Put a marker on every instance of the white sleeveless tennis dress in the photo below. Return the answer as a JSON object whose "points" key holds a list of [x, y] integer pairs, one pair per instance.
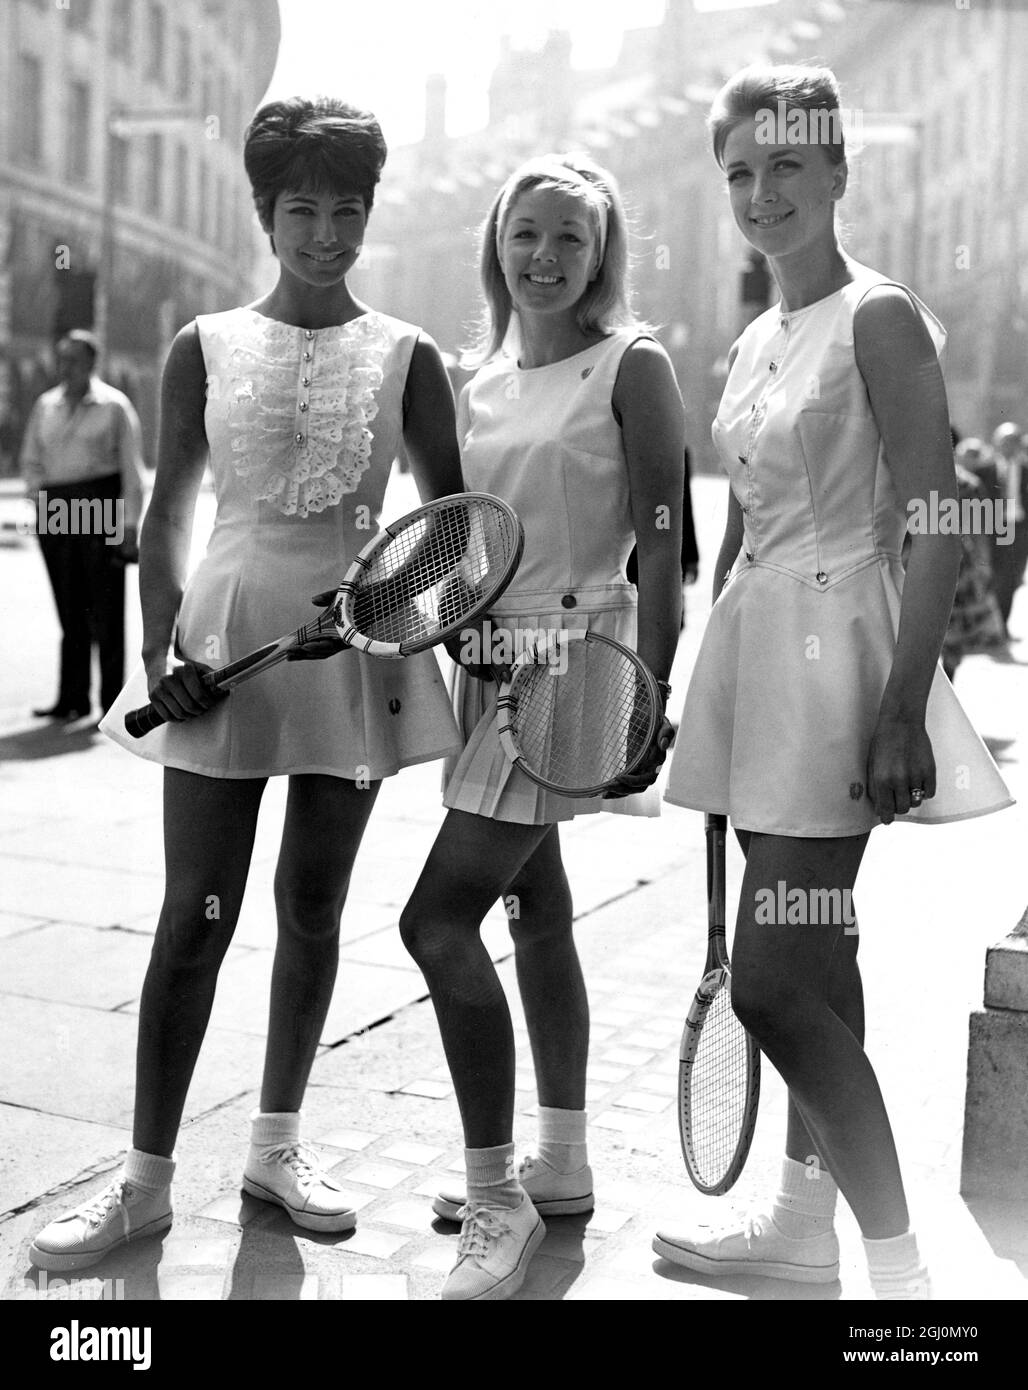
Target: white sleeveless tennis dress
{"points": [[545, 439], [303, 427], [789, 678]]}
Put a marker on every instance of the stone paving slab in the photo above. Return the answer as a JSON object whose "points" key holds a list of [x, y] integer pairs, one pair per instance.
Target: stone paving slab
{"points": [[96, 897], [39, 1151], [96, 967], [78, 1062]]}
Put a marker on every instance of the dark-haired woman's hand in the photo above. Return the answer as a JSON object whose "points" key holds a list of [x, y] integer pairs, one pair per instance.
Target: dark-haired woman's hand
{"points": [[182, 693]]}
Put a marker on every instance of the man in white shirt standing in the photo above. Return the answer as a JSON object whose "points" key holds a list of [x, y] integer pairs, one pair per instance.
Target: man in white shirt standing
{"points": [[82, 460]]}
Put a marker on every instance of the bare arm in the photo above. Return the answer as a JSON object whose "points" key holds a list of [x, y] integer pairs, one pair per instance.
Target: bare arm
{"points": [[167, 530], [647, 403], [130, 465], [648, 406], [429, 431], [897, 360], [31, 463], [731, 544]]}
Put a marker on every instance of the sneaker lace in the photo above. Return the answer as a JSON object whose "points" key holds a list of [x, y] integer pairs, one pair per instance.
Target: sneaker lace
{"points": [[298, 1157], [481, 1225], [95, 1211], [755, 1224]]}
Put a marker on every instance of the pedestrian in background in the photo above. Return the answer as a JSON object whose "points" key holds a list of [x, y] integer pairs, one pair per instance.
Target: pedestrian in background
{"points": [[975, 624], [82, 463], [816, 709], [1009, 559]]}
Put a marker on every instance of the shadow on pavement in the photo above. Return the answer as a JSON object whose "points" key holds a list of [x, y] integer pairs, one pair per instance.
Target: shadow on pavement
{"points": [[52, 740], [127, 1274], [755, 1287], [269, 1265], [1005, 1226]]}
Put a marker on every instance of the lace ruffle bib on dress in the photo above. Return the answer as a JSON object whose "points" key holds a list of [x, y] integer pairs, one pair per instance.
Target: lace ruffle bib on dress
{"points": [[303, 466], [785, 692], [303, 427]]}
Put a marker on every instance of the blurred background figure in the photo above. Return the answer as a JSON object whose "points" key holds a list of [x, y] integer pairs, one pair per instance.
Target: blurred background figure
{"points": [[1008, 560], [975, 623], [81, 460]]}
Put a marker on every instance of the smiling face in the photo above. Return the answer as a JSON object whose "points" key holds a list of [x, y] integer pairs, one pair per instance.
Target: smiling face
{"points": [[783, 196], [548, 250], [318, 235]]}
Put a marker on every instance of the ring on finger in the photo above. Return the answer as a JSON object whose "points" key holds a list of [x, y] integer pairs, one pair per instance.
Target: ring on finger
{"points": [[916, 795]]}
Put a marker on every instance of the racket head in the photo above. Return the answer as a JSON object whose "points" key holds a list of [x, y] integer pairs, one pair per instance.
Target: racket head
{"points": [[718, 1087], [427, 575], [578, 712]]}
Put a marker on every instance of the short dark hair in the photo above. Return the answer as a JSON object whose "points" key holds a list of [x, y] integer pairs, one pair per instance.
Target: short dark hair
{"points": [[760, 87], [83, 338], [322, 144]]}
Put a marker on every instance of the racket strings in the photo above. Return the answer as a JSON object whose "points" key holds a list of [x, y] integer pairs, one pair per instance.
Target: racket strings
{"points": [[429, 576], [718, 1096], [584, 719]]}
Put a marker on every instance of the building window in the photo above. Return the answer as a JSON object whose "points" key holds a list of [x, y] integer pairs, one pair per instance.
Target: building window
{"points": [[181, 186], [152, 187], [118, 154], [121, 29], [155, 65], [80, 13], [29, 138], [202, 211], [76, 144], [182, 66]]}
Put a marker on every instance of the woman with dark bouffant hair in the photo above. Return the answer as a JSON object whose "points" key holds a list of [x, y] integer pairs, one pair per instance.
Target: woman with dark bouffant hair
{"points": [[300, 401], [817, 709]]}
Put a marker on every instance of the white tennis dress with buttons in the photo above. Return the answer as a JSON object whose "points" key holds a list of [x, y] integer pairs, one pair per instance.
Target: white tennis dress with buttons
{"points": [[303, 427], [786, 689], [546, 440]]}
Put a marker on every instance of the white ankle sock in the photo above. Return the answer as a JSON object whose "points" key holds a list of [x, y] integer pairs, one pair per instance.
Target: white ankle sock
{"points": [[491, 1176], [275, 1127], [150, 1172], [805, 1205], [896, 1268], [562, 1139]]}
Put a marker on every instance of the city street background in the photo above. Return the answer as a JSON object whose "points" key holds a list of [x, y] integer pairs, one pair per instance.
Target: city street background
{"points": [[81, 868]]}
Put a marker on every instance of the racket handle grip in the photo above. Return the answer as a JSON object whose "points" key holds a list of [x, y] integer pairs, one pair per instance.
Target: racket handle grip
{"points": [[147, 718], [141, 721]]}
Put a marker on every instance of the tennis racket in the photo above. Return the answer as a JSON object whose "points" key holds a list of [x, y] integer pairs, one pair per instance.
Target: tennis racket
{"points": [[578, 713], [719, 1068], [413, 586]]}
